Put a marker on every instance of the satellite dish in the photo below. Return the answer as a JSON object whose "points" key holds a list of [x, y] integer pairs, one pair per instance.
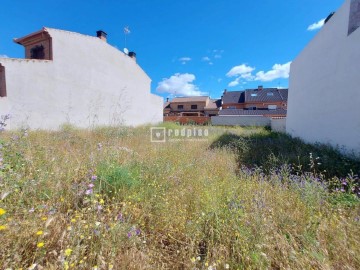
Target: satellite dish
{"points": [[126, 51]]}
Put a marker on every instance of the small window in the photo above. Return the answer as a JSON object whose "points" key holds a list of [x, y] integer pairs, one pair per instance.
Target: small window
{"points": [[37, 52], [232, 107], [180, 107], [2, 81], [194, 107], [252, 108], [269, 94], [254, 95]]}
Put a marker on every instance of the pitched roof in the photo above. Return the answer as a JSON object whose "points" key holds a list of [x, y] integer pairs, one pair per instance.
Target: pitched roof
{"points": [[277, 112], [266, 95], [233, 97], [166, 105], [213, 104], [190, 99]]}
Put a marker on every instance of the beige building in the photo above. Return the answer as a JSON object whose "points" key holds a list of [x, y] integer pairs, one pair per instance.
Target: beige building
{"points": [[68, 77]]}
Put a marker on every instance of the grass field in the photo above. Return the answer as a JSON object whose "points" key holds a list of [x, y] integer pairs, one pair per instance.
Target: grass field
{"points": [[245, 198]]}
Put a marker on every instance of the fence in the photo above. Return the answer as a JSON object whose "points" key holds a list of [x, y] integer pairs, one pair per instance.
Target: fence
{"points": [[277, 124], [200, 120]]}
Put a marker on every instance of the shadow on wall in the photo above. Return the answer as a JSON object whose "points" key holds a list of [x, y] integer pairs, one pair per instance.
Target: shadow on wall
{"points": [[272, 150]]}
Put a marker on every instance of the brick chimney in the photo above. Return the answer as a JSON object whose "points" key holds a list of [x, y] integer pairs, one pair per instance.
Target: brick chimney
{"points": [[167, 99], [101, 34], [132, 55], [260, 87]]}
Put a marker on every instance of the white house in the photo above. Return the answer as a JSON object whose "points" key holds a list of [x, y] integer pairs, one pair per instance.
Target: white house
{"points": [[324, 101], [73, 78]]}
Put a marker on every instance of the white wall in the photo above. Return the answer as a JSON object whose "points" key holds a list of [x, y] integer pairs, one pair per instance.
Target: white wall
{"points": [[236, 120], [324, 85], [88, 83]]}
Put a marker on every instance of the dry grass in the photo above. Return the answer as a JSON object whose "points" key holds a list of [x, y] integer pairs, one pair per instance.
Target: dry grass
{"points": [[111, 199]]}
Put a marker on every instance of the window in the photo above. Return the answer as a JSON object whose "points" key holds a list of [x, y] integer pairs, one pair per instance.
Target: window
{"points": [[272, 107], [232, 107], [180, 107], [194, 107], [37, 52], [2, 82], [254, 95], [252, 108], [269, 94]]}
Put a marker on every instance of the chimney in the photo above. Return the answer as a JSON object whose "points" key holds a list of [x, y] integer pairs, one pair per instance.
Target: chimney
{"points": [[260, 87], [132, 55], [101, 34], [167, 99]]}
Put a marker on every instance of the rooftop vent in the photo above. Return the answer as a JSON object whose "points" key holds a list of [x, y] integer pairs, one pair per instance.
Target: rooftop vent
{"points": [[329, 17], [102, 35]]}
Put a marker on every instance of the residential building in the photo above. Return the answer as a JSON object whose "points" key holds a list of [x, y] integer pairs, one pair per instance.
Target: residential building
{"points": [[269, 102], [198, 109], [324, 82], [68, 77]]}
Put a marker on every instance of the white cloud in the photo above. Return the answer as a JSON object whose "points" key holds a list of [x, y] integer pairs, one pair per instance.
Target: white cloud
{"points": [[240, 70], [184, 60], [205, 59], [179, 85], [243, 73], [234, 82], [316, 25], [3, 56], [218, 56], [278, 71]]}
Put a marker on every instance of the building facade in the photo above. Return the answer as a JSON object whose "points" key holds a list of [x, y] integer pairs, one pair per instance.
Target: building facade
{"points": [[325, 83], [268, 102], [72, 78]]}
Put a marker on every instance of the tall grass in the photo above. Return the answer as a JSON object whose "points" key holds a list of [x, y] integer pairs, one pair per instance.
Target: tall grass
{"points": [[111, 199]]}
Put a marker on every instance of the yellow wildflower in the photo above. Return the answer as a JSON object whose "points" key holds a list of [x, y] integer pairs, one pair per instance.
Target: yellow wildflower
{"points": [[40, 244], [39, 232], [2, 211], [2, 227], [68, 252]]}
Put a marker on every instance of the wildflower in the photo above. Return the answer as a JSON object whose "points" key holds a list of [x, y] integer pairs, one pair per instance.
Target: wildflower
{"points": [[2, 211], [99, 146], [40, 244], [73, 220], [32, 267], [93, 178], [193, 259], [97, 223], [129, 234], [111, 266], [39, 232], [68, 252], [198, 258], [32, 210], [91, 185], [2, 227], [95, 268], [88, 191], [227, 266]]}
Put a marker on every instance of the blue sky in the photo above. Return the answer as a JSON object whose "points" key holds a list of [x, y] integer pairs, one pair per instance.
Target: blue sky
{"points": [[198, 47]]}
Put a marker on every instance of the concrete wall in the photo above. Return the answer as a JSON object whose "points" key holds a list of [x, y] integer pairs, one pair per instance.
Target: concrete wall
{"points": [[278, 125], [88, 83], [240, 121], [324, 100]]}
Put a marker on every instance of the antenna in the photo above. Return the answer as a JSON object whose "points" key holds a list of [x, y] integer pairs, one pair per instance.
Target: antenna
{"points": [[126, 51], [126, 32]]}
